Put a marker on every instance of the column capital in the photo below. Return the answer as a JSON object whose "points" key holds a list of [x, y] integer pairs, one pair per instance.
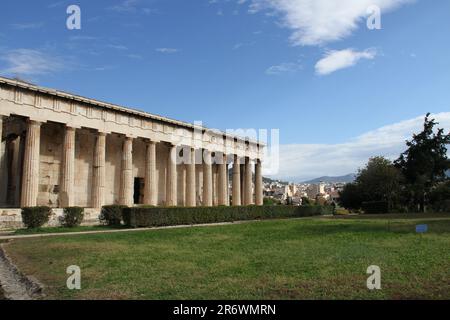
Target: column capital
{"points": [[34, 122], [150, 142], [71, 128]]}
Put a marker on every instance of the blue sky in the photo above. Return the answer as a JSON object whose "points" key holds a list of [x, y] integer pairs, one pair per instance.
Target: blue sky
{"points": [[309, 68]]}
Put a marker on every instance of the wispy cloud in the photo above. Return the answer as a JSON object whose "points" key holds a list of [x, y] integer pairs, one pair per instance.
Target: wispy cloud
{"points": [[243, 44], [117, 46], [134, 56], [27, 26], [336, 60], [82, 38], [283, 68], [316, 22], [132, 6], [29, 62], [167, 50], [56, 4], [299, 162]]}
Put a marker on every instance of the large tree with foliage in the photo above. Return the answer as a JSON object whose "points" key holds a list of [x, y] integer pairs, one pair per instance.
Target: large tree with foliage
{"points": [[425, 162], [379, 180], [351, 197]]}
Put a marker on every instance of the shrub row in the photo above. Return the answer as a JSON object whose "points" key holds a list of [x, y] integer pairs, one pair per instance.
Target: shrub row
{"points": [[72, 217], [36, 217], [170, 216], [112, 215]]}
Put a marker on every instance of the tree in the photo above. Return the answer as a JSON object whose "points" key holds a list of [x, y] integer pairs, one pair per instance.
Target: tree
{"points": [[350, 197], [380, 180], [425, 162], [306, 201]]}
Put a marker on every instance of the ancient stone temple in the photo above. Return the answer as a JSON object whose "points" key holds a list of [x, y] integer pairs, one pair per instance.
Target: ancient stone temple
{"points": [[60, 150]]}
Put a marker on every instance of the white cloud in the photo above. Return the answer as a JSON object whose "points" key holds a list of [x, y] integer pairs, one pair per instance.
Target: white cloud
{"points": [[300, 162], [286, 67], [28, 62], [336, 60], [316, 22], [167, 50]]}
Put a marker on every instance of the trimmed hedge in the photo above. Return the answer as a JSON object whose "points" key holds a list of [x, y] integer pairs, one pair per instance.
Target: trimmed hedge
{"points": [[112, 215], [375, 207], [171, 216], [441, 206], [73, 216], [35, 217]]}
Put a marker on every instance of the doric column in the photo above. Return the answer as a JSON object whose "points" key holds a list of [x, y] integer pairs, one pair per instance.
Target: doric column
{"points": [[171, 194], [223, 194], [150, 188], [248, 182], [190, 181], [214, 184], [3, 173], [207, 179], [243, 183], [236, 192], [68, 168], [99, 174], [126, 182], [258, 183], [30, 175]]}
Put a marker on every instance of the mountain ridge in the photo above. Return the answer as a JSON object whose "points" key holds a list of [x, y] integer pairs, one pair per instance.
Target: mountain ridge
{"points": [[330, 179]]}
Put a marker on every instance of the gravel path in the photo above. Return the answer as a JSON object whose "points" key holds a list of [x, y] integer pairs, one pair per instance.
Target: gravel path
{"points": [[14, 285]]}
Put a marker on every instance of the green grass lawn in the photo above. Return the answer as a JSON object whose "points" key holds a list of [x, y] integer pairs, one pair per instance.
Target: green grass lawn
{"points": [[312, 258]]}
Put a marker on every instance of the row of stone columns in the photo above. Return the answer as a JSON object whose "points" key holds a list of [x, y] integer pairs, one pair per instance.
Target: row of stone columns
{"points": [[242, 193]]}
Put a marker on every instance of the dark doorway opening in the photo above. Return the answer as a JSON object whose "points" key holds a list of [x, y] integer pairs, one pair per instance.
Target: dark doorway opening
{"points": [[138, 190]]}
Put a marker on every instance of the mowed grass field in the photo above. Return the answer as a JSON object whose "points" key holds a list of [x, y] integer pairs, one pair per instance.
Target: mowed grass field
{"points": [[312, 258]]}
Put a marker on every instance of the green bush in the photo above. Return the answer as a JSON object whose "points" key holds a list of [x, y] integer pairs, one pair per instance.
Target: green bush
{"points": [[375, 207], [112, 215], [164, 216], [73, 216], [35, 217]]}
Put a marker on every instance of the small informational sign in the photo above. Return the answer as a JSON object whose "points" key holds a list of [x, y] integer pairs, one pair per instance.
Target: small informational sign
{"points": [[421, 228]]}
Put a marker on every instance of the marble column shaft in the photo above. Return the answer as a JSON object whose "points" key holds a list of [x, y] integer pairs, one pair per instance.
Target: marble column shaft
{"points": [[126, 182], [190, 181], [150, 189], [68, 168], [171, 196], [207, 179], [248, 183], [223, 194], [99, 174], [236, 192], [30, 180], [258, 184]]}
